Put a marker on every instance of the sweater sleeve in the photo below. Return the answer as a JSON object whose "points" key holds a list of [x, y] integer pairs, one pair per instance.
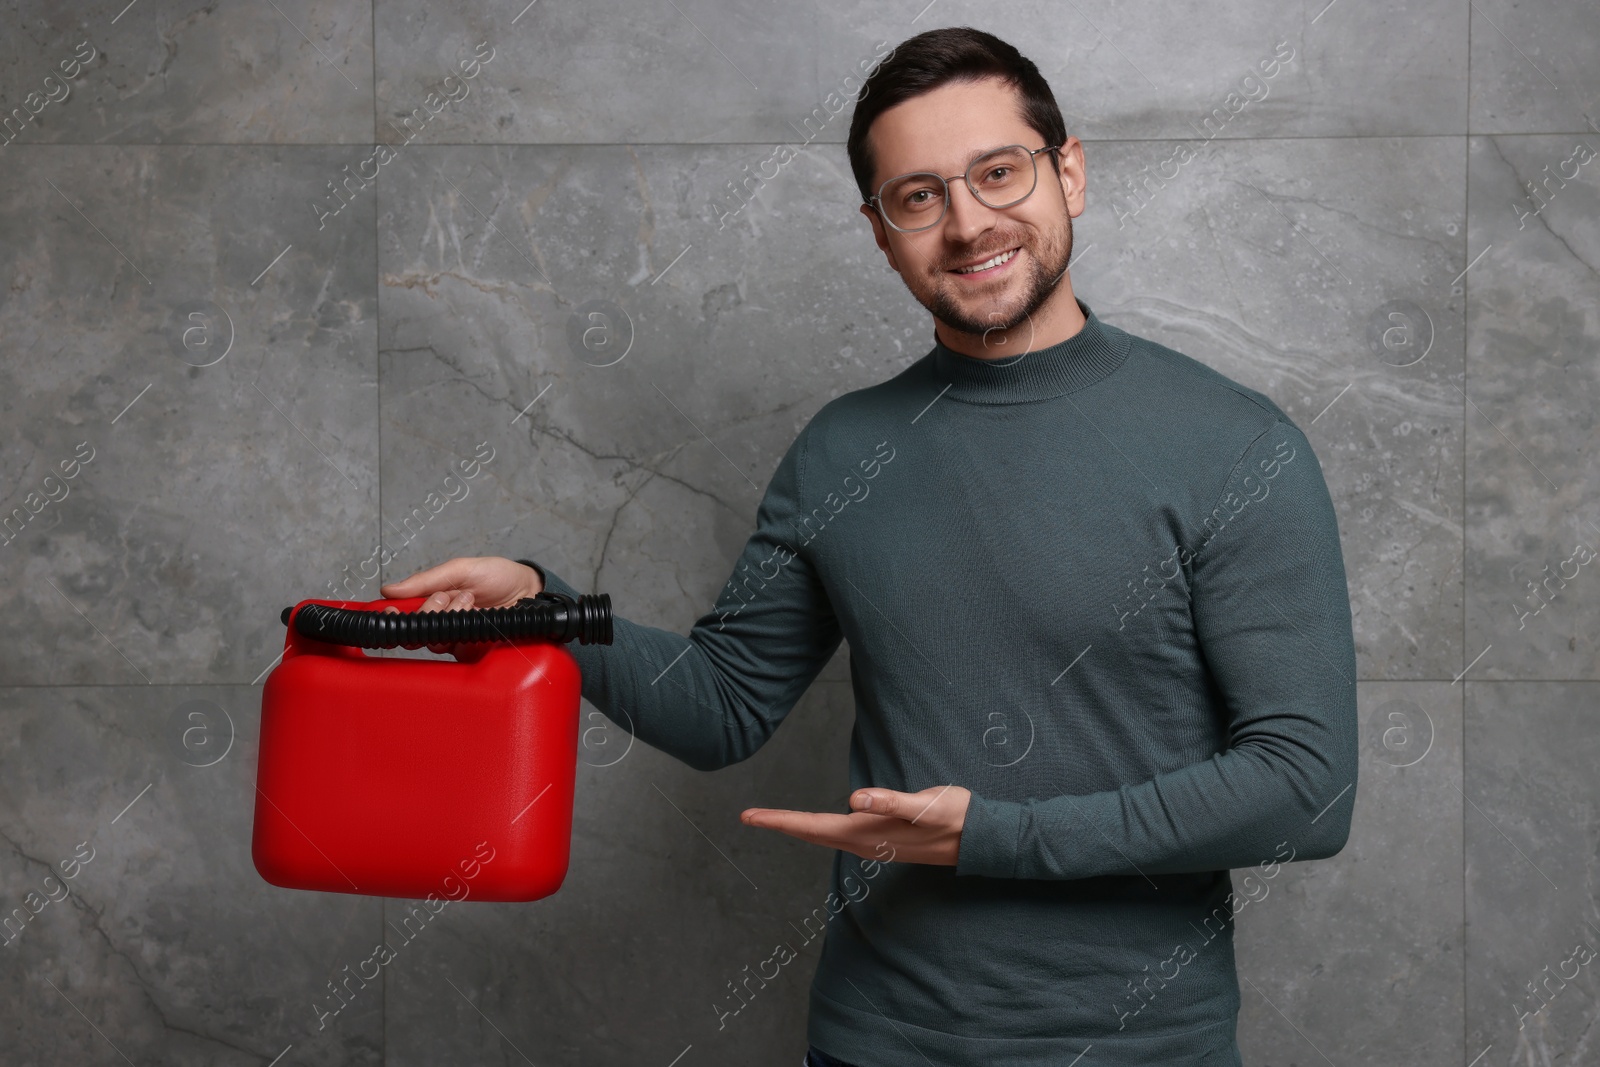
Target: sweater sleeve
{"points": [[1272, 613], [712, 698]]}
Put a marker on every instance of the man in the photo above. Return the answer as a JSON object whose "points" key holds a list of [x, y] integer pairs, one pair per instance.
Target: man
{"points": [[1099, 631]]}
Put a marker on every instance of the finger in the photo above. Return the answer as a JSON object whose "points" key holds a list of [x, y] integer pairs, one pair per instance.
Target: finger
{"points": [[860, 834], [817, 827], [451, 574], [801, 835], [439, 600], [447, 600], [771, 816], [460, 600]]}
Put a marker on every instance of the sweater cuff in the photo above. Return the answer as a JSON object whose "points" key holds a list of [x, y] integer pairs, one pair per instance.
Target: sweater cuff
{"points": [[989, 838], [550, 580]]}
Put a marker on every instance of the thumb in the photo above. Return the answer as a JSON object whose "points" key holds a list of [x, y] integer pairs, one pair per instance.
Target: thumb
{"points": [[878, 801], [452, 574]]}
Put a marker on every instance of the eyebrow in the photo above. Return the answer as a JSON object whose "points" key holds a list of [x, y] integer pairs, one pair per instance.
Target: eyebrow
{"points": [[985, 151], [972, 157]]}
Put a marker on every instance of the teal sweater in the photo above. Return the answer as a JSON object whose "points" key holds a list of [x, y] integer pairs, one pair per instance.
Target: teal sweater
{"points": [[1100, 586]]}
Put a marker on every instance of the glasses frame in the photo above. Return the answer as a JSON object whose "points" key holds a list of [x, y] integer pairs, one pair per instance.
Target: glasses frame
{"points": [[876, 200]]}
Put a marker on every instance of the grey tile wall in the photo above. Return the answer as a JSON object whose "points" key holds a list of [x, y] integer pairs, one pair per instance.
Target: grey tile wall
{"points": [[1531, 848], [259, 363], [1359, 958]]}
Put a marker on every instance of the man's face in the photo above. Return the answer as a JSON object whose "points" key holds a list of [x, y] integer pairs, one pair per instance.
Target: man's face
{"points": [[942, 131]]}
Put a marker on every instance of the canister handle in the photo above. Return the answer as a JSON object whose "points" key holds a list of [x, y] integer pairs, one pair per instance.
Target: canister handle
{"points": [[547, 616]]}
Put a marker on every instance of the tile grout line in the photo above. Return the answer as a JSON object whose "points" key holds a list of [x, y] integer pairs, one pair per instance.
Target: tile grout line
{"points": [[768, 143], [377, 466], [1466, 352]]}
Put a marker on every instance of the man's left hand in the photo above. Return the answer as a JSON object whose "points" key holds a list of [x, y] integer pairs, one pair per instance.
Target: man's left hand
{"points": [[922, 827]]}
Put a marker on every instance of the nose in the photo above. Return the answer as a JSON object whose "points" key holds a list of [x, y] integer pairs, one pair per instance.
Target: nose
{"points": [[965, 216]]}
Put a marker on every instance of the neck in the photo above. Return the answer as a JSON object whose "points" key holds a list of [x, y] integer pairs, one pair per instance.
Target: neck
{"points": [[1040, 373], [1058, 319]]}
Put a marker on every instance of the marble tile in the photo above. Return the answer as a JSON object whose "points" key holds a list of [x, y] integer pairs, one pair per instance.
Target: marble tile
{"points": [[1533, 524], [187, 72], [1319, 273], [615, 72], [1375, 933], [636, 463], [1533, 855], [696, 72], [1149, 70], [668, 898], [189, 436], [165, 939], [1532, 67]]}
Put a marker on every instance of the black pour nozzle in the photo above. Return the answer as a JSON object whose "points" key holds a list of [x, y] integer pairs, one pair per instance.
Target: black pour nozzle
{"points": [[546, 615]]}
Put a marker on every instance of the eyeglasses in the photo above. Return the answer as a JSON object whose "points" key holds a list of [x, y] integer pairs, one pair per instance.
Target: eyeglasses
{"points": [[1002, 178]]}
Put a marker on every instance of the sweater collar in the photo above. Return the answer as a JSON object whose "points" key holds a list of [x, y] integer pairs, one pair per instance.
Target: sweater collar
{"points": [[1065, 367]]}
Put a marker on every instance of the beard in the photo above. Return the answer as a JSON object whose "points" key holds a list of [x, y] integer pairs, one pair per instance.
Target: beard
{"points": [[1046, 266]]}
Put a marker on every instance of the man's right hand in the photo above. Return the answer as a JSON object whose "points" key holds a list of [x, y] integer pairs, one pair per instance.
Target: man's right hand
{"points": [[467, 582]]}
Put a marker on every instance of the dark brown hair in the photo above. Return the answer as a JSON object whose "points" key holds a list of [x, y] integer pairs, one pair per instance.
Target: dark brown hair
{"points": [[940, 57]]}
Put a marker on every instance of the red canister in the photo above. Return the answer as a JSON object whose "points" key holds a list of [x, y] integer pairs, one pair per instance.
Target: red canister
{"points": [[397, 777]]}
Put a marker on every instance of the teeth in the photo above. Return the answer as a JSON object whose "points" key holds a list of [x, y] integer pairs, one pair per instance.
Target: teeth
{"points": [[996, 261]]}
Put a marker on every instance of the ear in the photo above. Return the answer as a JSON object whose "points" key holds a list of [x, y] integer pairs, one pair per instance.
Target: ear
{"points": [[880, 233], [1070, 170]]}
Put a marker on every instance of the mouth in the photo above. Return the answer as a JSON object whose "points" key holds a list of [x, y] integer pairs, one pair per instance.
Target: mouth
{"points": [[987, 268]]}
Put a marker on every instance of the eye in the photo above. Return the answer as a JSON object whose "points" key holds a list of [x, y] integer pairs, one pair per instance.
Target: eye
{"points": [[998, 174]]}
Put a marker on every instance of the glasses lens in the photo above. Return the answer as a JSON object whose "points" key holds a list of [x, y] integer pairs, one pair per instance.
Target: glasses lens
{"points": [[1004, 177], [1000, 179], [914, 201]]}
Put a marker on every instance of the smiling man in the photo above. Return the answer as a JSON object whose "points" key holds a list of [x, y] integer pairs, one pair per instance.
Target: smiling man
{"points": [[1099, 631]]}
